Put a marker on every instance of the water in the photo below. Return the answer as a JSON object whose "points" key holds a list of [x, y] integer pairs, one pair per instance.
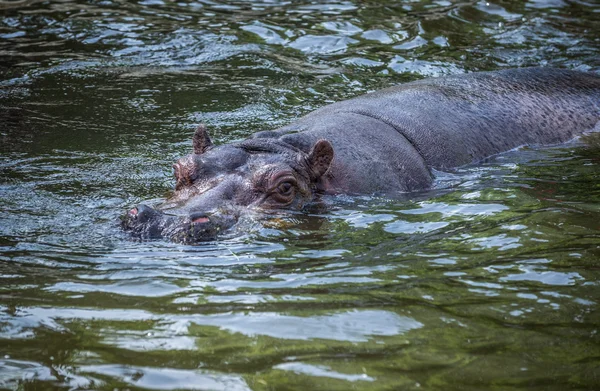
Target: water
{"points": [[489, 281]]}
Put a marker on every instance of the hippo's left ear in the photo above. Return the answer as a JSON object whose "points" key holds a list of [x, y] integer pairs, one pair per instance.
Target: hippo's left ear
{"points": [[201, 141], [320, 157]]}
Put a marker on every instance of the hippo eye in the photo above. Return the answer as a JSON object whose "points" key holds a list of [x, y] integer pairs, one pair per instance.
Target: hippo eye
{"points": [[284, 192], [285, 188], [280, 189]]}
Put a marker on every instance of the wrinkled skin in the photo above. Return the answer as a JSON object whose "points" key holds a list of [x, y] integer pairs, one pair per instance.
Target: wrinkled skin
{"points": [[383, 142], [216, 185]]}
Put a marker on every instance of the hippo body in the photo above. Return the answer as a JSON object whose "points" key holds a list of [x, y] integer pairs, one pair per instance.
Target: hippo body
{"points": [[383, 142], [445, 122]]}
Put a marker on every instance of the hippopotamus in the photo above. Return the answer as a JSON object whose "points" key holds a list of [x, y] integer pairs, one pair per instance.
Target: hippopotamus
{"points": [[384, 142]]}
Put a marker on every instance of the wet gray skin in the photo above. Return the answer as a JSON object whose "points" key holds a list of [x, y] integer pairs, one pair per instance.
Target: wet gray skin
{"points": [[383, 142], [217, 185]]}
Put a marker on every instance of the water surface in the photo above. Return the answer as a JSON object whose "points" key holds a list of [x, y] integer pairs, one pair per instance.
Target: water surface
{"points": [[489, 281]]}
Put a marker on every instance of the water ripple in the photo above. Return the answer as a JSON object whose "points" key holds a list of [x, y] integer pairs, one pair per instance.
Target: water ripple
{"points": [[493, 272]]}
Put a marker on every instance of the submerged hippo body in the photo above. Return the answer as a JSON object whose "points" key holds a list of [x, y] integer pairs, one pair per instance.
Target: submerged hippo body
{"points": [[383, 142]]}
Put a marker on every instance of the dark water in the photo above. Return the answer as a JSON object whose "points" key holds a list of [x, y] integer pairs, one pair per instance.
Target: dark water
{"points": [[490, 281]]}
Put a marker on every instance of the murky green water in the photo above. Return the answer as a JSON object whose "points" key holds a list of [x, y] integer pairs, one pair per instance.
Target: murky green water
{"points": [[490, 281]]}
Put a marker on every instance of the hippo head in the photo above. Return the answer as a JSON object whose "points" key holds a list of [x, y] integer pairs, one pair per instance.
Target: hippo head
{"points": [[215, 186]]}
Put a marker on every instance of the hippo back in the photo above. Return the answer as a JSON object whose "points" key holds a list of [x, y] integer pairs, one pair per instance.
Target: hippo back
{"points": [[460, 119]]}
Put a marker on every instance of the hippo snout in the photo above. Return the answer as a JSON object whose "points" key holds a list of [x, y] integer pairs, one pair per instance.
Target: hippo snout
{"points": [[142, 214], [145, 222]]}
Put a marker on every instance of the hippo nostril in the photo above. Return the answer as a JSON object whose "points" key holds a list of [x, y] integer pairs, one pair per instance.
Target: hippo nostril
{"points": [[145, 222], [142, 213], [199, 218]]}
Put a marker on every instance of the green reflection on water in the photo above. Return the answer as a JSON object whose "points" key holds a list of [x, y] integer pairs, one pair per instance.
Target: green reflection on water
{"points": [[489, 281]]}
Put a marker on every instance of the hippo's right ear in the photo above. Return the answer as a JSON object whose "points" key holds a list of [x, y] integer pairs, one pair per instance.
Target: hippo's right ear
{"points": [[201, 141], [320, 157]]}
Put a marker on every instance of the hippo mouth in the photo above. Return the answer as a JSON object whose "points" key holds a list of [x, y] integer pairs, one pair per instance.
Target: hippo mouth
{"points": [[146, 223]]}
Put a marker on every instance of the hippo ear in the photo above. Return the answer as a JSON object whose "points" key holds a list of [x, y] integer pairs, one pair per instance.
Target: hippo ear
{"points": [[320, 157], [201, 141]]}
